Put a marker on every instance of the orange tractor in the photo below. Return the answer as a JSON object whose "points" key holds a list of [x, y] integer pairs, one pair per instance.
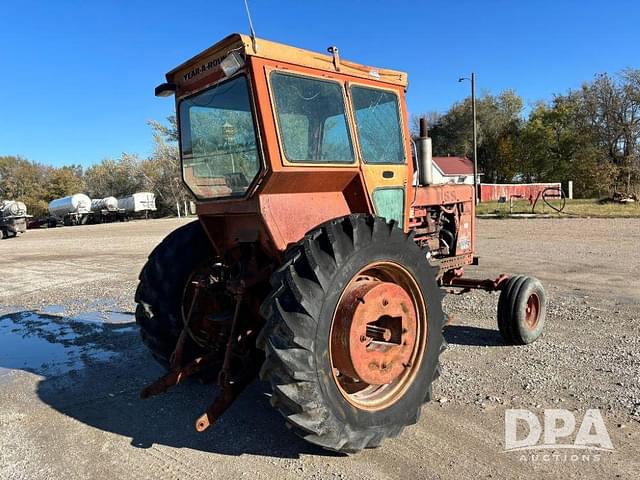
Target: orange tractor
{"points": [[322, 250]]}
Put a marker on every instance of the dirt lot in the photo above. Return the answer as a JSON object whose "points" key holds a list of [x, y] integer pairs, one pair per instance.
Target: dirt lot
{"points": [[71, 367]]}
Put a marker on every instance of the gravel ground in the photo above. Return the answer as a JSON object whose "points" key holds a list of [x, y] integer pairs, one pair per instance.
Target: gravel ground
{"points": [[71, 367]]}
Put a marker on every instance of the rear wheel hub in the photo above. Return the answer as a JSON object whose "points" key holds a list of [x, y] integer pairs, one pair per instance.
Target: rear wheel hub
{"points": [[375, 332], [378, 336]]}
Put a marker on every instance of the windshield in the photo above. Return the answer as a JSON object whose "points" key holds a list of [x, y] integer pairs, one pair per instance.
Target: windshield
{"points": [[218, 140]]}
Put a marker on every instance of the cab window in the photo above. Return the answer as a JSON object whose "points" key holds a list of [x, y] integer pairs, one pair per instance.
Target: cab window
{"points": [[218, 140], [311, 119], [378, 125]]}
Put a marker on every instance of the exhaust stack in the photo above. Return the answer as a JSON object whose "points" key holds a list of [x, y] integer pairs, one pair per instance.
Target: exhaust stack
{"points": [[425, 154]]}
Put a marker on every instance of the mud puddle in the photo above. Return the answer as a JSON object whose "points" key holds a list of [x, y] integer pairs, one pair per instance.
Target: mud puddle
{"points": [[49, 344]]}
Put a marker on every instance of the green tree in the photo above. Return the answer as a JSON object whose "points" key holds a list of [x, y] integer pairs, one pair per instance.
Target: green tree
{"points": [[612, 107], [25, 181], [498, 120], [117, 178], [161, 171], [64, 181], [557, 144]]}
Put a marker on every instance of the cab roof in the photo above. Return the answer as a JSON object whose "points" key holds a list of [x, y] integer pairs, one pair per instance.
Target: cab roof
{"points": [[284, 53]]}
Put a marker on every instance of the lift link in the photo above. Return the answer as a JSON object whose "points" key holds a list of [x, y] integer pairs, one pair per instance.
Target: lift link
{"points": [[176, 356], [229, 390], [176, 376], [178, 371]]}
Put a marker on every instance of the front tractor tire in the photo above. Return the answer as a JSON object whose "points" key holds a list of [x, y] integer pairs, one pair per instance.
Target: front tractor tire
{"points": [[353, 333], [161, 290], [522, 308]]}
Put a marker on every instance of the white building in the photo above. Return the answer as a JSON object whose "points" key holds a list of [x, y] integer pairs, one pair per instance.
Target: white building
{"points": [[452, 170]]}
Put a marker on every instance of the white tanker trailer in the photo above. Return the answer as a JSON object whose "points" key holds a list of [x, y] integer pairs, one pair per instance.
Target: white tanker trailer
{"points": [[13, 218], [109, 204], [71, 210], [141, 202], [106, 210]]}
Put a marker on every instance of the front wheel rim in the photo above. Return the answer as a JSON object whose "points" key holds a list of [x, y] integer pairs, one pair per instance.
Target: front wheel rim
{"points": [[532, 311]]}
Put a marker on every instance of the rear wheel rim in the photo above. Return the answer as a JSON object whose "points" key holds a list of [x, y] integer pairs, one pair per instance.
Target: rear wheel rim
{"points": [[532, 310], [378, 336]]}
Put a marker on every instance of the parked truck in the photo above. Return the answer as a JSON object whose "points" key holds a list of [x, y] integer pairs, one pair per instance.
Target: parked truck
{"points": [[13, 218], [70, 210]]}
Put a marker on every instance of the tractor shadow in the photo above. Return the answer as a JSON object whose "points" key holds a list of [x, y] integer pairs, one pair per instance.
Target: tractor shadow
{"points": [[473, 336], [93, 372]]}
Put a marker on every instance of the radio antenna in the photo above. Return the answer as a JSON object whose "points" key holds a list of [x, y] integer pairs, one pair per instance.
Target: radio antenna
{"points": [[253, 32]]}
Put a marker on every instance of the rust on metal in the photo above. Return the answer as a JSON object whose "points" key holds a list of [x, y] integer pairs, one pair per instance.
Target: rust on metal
{"points": [[378, 336], [454, 279], [532, 311], [442, 218], [176, 376], [176, 356], [225, 371], [228, 338], [335, 53], [375, 329], [224, 400]]}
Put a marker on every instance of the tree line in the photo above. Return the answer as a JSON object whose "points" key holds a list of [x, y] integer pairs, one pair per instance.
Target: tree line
{"points": [[37, 184], [590, 135]]}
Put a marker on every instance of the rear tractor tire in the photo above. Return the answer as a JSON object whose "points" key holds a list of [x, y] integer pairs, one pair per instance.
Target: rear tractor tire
{"points": [[353, 333], [522, 309], [161, 290]]}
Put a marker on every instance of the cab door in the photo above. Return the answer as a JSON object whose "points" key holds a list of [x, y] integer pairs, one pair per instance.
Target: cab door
{"points": [[380, 138]]}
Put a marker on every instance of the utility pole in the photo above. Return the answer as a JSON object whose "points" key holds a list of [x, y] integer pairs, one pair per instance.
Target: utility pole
{"points": [[476, 180]]}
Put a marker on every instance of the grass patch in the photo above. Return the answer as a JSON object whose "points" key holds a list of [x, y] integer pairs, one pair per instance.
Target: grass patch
{"points": [[580, 208]]}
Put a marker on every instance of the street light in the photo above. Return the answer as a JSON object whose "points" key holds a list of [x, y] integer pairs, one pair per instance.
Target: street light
{"points": [[476, 183]]}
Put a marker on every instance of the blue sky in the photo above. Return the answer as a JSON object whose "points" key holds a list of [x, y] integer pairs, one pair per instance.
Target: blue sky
{"points": [[78, 76]]}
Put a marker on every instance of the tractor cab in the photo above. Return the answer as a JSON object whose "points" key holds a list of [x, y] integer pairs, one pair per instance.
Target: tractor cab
{"points": [[263, 125]]}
